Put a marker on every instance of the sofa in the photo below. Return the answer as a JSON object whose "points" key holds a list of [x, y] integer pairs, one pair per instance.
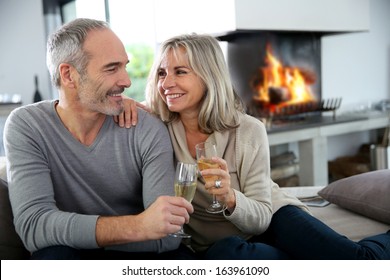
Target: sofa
{"points": [[11, 247], [359, 207]]}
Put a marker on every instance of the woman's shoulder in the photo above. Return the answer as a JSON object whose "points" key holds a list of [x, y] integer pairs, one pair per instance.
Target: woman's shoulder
{"points": [[251, 131], [249, 122]]}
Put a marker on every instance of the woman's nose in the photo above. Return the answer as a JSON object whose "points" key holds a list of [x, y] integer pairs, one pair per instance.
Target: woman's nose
{"points": [[169, 81]]}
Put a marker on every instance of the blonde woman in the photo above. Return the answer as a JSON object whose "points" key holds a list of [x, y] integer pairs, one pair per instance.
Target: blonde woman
{"points": [[189, 88]]}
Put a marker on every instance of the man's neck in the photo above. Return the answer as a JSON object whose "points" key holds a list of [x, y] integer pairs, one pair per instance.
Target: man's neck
{"points": [[83, 125]]}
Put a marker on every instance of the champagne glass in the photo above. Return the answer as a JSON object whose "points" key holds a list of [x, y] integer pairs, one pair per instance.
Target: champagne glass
{"points": [[185, 186], [204, 152]]}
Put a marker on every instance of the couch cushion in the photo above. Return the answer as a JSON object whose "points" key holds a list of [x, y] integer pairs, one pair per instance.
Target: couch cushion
{"points": [[11, 247], [367, 194], [348, 223]]}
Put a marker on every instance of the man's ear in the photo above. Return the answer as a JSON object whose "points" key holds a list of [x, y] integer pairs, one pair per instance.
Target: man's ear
{"points": [[68, 75]]}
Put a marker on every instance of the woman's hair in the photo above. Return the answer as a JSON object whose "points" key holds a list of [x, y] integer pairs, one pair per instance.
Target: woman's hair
{"points": [[221, 105], [66, 46]]}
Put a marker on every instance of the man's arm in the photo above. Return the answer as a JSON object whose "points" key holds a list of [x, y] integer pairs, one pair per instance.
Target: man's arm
{"points": [[38, 219], [166, 215], [158, 171]]}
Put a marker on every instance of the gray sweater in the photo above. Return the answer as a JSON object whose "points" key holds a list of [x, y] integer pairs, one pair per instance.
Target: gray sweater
{"points": [[58, 187]]}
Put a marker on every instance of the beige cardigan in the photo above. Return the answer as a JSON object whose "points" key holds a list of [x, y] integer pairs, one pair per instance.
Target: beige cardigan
{"points": [[246, 151]]}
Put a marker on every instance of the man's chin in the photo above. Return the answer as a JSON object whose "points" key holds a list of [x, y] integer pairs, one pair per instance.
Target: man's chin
{"points": [[115, 110]]}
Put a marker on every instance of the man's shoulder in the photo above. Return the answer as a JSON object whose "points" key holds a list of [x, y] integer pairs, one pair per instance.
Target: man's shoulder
{"points": [[34, 107], [144, 116], [31, 111], [27, 120]]}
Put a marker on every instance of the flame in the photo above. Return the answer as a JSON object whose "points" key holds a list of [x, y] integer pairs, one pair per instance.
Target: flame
{"points": [[290, 82]]}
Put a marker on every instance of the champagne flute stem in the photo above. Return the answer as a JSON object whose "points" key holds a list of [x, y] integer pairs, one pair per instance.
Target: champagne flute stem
{"points": [[215, 201]]}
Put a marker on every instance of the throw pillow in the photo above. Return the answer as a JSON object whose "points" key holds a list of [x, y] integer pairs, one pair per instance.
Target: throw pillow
{"points": [[367, 194], [11, 247]]}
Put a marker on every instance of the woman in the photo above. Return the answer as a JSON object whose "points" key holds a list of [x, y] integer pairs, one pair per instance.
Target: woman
{"points": [[189, 88]]}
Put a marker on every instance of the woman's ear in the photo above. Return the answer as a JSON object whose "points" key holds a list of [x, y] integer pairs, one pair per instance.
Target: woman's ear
{"points": [[67, 74]]}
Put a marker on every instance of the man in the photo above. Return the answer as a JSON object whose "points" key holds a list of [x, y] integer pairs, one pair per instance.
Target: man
{"points": [[80, 186]]}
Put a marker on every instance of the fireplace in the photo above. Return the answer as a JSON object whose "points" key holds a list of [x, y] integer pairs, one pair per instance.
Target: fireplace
{"points": [[278, 74]]}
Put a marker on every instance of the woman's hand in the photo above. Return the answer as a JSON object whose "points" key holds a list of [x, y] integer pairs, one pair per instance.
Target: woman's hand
{"points": [[129, 116], [224, 193]]}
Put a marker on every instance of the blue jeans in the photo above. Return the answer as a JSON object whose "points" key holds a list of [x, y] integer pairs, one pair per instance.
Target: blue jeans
{"points": [[303, 236], [295, 234], [69, 253], [236, 248]]}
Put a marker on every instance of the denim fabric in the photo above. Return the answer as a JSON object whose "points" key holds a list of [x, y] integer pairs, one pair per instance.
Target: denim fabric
{"points": [[68, 253], [295, 234], [302, 236], [236, 248]]}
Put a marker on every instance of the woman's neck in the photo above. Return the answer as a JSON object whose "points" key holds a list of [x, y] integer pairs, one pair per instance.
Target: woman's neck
{"points": [[193, 134]]}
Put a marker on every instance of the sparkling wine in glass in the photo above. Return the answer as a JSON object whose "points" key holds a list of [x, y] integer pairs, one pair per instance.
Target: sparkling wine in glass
{"points": [[185, 186], [204, 152]]}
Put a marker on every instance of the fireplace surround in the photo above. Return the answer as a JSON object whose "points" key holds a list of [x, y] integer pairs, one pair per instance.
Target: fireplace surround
{"points": [[247, 53], [278, 73]]}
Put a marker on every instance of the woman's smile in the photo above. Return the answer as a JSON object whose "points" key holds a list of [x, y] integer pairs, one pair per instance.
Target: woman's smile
{"points": [[174, 96]]}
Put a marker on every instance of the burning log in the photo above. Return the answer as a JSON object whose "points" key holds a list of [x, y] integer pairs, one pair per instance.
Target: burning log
{"points": [[278, 95], [278, 86]]}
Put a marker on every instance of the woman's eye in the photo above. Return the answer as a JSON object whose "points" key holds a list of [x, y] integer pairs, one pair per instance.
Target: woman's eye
{"points": [[161, 74], [181, 72]]}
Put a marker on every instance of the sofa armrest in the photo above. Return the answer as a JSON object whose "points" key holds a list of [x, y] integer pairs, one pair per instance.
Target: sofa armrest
{"points": [[11, 246]]}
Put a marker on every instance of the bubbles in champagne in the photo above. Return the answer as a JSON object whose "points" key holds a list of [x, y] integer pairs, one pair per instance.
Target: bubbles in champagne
{"points": [[185, 189]]}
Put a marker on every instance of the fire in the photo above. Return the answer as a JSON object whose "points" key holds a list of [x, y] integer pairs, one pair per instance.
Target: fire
{"points": [[281, 86]]}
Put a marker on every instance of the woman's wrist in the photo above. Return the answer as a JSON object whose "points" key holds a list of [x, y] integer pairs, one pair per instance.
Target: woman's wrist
{"points": [[231, 201]]}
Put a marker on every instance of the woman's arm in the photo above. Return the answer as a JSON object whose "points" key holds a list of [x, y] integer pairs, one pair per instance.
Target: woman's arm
{"points": [[253, 211]]}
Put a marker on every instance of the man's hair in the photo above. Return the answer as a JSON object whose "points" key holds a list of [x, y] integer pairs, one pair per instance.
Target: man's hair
{"points": [[221, 105], [66, 46]]}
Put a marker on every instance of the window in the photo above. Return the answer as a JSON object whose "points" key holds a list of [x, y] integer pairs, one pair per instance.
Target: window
{"points": [[141, 24], [133, 22]]}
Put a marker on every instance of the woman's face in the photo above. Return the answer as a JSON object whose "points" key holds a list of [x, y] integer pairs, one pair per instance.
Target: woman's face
{"points": [[180, 88]]}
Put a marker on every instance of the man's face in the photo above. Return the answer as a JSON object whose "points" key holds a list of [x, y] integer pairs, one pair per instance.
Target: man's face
{"points": [[106, 76]]}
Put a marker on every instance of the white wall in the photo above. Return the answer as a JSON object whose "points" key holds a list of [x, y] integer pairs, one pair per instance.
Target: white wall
{"points": [[356, 67], [22, 48], [302, 15]]}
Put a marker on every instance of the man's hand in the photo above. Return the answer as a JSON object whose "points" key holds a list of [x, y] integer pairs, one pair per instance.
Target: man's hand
{"points": [[166, 215], [129, 117]]}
